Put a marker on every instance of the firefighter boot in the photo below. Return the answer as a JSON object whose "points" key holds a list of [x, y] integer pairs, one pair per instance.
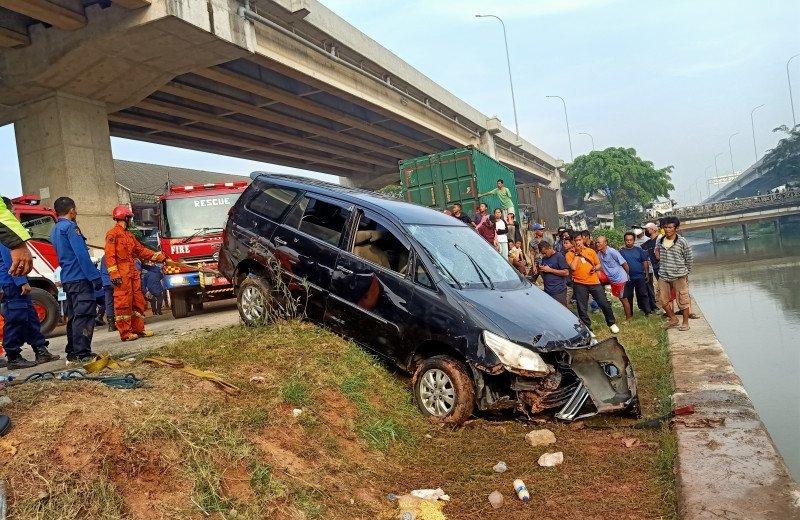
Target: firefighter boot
{"points": [[130, 337], [44, 356], [146, 333], [19, 362]]}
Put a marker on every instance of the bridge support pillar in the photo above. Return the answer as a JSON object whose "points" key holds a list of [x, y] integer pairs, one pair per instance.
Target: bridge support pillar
{"points": [[744, 232], [713, 236], [64, 149]]}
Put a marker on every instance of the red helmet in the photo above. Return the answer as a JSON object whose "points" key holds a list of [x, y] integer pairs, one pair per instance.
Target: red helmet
{"points": [[121, 212]]}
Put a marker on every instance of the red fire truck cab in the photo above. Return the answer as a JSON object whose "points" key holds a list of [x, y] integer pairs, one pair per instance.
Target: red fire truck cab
{"points": [[190, 228], [39, 221]]}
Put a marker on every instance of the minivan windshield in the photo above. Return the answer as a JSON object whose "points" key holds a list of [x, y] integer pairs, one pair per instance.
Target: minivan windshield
{"points": [[464, 259]]}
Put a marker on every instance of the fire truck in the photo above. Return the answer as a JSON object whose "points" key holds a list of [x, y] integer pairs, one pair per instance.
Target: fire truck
{"points": [[191, 221], [39, 221]]}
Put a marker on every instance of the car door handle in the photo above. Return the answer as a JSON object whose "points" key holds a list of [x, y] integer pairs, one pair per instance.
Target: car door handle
{"points": [[280, 242], [344, 270]]}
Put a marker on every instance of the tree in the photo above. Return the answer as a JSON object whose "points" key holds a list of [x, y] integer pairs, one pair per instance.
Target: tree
{"points": [[784, 159], [622, 176]]}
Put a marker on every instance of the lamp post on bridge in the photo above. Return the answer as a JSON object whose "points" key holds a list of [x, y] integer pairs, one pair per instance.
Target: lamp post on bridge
{"points": [[708, 181], [508, 62], [730, 150], [789, 80], [569, 137], [753, 128], [590, 137]]}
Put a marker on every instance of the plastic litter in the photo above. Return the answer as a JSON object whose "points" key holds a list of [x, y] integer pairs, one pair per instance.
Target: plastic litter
{"points": [[540, 437], [391, 497], [500, 467], [415, 508], [5, 400], [551, 459], [431, 494], [258, 380], [496, 499], [521, 490], [630, 442], [297, 412]]}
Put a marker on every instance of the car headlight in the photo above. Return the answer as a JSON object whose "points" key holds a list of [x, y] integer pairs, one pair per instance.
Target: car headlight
{"points": [[515, 357]]}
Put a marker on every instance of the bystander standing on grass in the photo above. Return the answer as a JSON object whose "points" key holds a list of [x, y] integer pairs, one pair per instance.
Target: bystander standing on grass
{"points": [[616, 269], [675, 264]]}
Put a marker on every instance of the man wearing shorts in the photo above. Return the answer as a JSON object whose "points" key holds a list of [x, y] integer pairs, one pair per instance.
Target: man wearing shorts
{"points": [[675, 261], [616, 269]]}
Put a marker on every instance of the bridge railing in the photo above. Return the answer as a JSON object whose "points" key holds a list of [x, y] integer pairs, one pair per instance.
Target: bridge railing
{"points": [[714, 209]]}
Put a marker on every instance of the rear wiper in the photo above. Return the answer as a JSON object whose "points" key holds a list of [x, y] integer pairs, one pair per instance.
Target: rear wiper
{"points": [[198, 231], [481, 273]]}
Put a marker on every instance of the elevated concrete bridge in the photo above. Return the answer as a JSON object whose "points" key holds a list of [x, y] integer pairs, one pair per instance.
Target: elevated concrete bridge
{"points": [[739, 212], [280, 81]]}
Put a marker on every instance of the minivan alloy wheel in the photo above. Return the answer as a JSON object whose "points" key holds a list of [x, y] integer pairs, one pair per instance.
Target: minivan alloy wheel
{"points": [[253, 304], [436, 392]]}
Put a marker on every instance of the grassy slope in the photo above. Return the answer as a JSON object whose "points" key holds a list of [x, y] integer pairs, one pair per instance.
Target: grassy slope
{"points": [[183, 449]]}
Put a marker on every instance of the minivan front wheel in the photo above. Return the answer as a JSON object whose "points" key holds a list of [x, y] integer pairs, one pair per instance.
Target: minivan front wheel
{"points": [[253, 300], [443, 390]]}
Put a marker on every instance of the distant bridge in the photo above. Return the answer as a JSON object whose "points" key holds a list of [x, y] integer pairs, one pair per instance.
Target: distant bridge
{"points": [[739, 211]]}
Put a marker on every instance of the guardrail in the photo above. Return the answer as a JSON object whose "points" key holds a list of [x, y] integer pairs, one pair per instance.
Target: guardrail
{"points": [[715, 209]]}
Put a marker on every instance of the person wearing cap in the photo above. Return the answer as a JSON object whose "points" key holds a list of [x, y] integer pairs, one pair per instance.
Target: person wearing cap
{"points": [[538, 238]]}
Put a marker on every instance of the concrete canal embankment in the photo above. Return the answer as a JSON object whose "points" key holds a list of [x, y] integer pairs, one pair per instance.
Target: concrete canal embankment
{"points": [[727, 466]]}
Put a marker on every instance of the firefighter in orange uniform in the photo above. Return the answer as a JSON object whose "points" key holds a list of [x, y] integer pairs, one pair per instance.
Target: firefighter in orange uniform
{"points": [[122, 251]]}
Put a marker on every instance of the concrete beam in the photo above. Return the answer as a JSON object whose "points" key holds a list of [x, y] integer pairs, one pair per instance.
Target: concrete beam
{"points": [[263, 114], [132, 4], [209, 135], [288, 98], [9, 38], [48, 12], [255, 130]]}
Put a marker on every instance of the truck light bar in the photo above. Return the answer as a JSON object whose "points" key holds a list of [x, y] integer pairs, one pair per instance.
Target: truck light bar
{"points": [[27, 200], [208, 186]]}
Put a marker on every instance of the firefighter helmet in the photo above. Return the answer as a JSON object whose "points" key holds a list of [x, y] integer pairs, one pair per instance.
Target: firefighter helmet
{"points": [[121, 212]]}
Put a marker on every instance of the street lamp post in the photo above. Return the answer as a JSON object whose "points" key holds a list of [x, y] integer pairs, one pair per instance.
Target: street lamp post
{"points": [[708, 181], [590, 137], [753, 128], [789, 80], [716, 168], [730, 150], [566, 118], [508, 62], [699, 193]]}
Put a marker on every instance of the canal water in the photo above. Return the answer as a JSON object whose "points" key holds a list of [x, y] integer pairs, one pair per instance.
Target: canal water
{"points": [[751, 298]]}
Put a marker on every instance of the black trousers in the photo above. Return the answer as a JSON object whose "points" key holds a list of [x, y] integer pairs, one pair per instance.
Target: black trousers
{"points": [[639, 287], [81, 310], [582, 293], [156, 302]]}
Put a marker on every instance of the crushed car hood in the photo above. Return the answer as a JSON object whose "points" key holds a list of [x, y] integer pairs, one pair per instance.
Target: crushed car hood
{"points": [[527, 316]]}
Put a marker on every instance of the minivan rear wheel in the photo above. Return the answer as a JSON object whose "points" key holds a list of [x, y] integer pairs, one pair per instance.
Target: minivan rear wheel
{"points": [[443, 390]]}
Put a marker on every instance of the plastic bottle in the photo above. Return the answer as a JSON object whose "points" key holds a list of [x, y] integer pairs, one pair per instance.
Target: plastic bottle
{"points": [[522, 491]]}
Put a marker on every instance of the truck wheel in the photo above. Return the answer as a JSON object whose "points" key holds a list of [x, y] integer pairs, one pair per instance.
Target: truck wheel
{"points": [[46, 308], [443, 390], [180, 305]]}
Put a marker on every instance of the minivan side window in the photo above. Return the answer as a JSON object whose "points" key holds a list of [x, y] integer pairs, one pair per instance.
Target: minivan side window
{"points": [[376, 244], [272, 202], [320, 219], [421, 276]]}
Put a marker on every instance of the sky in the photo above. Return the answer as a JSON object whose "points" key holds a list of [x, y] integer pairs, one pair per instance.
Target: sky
{"points": [[671, 79]]}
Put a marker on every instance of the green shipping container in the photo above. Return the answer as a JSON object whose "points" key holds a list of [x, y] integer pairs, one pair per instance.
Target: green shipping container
{"points": [[459, 175]]}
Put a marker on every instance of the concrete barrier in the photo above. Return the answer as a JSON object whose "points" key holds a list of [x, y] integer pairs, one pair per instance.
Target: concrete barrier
{"points": [[727, 466]]}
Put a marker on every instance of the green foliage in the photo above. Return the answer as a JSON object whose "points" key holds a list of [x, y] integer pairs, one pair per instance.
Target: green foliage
{"points": [[392, 190], [621, 175], [295, 390], [615, 237], [785, 157]]}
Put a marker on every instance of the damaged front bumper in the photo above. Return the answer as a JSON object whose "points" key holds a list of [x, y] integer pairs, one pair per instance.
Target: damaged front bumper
{"points": [[586, 381]]}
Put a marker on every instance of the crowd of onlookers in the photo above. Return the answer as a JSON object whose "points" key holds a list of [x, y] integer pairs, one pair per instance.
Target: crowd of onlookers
{"points": [[650, 270]]}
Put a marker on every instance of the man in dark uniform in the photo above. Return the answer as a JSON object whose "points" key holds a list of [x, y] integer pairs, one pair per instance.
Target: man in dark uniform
{"points": [[79, 277], [13, 236], [20, 321]]}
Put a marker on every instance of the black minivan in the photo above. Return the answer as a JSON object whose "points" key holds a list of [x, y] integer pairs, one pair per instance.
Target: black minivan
{"points": [[426, 292]]}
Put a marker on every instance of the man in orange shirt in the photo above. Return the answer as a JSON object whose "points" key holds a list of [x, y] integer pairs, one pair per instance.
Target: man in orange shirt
{"points": [[122, 251], [584, 264]]}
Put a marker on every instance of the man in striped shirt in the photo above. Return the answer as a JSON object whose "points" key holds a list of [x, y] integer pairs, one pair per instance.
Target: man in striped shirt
{"points": [[674, 255]]}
